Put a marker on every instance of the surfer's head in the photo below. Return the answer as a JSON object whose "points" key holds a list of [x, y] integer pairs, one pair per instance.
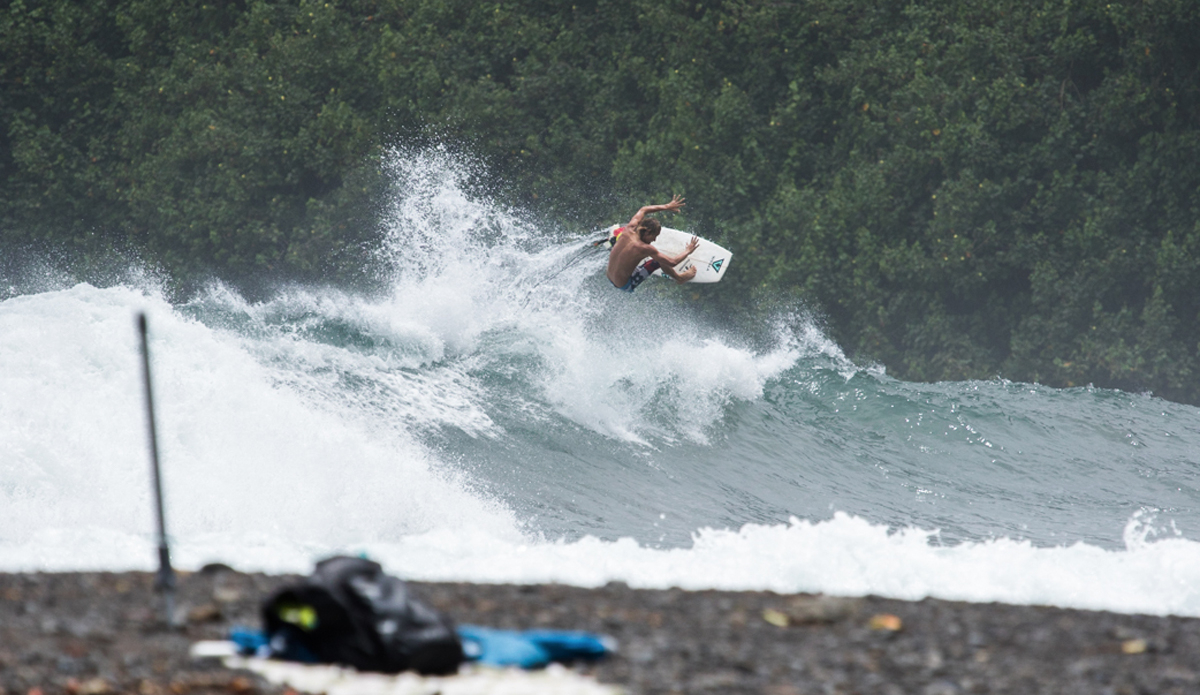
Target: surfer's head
{"points": [[648, 229]]}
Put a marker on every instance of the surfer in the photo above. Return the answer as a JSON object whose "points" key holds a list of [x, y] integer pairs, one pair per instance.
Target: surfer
{"points": [[626, 269]]}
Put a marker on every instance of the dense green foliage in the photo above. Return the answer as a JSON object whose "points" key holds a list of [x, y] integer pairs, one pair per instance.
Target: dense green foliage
{"points": [[964, 188]]}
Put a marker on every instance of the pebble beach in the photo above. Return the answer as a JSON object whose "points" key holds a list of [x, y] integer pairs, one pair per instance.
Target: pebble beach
{"points": [[100, 633]]}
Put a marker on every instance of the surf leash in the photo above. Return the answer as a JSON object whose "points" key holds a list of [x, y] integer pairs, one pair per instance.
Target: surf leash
{"points": [[588, 250]]}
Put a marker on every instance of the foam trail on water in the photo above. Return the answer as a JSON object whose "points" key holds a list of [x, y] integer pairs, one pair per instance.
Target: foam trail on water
{"points": [[844, 555]]}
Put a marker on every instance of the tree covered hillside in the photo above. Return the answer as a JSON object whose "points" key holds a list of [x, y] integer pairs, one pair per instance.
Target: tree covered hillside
{"points": [[965, 188]]}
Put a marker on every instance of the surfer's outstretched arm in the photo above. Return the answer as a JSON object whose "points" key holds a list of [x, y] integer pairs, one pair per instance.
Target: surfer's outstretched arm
{"points": [[674, 205]]}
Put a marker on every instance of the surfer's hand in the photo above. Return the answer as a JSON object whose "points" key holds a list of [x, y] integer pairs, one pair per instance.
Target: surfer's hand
{"points": [[675, 204], [691, 246], [687, 275]]}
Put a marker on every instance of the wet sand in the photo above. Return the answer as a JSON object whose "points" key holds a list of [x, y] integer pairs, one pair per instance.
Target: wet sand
{"points": [[98, 633]]}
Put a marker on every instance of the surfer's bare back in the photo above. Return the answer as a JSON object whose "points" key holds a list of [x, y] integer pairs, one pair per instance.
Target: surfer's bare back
{"points": [[626, 269]]}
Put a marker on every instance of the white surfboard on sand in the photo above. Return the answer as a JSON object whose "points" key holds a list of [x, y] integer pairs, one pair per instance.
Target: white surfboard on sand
{"points": [[710, 259]]}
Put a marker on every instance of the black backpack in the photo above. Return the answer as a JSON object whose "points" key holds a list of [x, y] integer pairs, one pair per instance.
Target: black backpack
{"points": [[349, 612]]}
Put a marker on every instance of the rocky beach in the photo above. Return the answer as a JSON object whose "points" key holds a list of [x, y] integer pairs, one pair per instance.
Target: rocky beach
{"points": [[99, 633]]}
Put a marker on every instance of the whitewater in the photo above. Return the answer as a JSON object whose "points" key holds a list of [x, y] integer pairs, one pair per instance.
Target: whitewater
{"points": [[491, 419]]}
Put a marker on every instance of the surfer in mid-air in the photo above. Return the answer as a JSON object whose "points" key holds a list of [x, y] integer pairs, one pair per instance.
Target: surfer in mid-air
{"points": [[626, 269]]}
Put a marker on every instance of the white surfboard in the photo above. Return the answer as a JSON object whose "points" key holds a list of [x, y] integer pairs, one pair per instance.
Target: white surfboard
{"points": [[710, 259]]}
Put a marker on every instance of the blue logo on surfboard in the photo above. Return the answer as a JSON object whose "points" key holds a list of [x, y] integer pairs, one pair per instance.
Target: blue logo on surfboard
{"points": [[716, 265]]}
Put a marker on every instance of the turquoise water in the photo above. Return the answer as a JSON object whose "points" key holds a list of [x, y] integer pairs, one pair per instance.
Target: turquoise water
{"points": [[476, 422]]}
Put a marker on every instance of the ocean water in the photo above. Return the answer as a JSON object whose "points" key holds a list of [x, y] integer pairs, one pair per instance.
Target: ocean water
{"points": [[488, 419]]}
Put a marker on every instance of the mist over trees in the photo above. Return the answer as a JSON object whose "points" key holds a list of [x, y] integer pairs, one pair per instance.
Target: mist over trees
{"points": [[964, 188]]}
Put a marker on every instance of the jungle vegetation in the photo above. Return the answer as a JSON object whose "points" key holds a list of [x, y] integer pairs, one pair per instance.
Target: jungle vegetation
{"points": [[962, 188]]}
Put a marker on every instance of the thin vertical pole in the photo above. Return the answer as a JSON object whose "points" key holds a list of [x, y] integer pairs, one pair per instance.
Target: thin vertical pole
{"points": [[164, 581]]}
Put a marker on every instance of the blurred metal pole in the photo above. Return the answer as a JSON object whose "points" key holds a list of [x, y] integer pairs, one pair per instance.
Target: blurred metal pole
{"points": [[165, 580]]}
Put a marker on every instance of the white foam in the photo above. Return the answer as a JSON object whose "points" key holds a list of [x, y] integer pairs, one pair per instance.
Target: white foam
{"points": [[242, 455], [412, 385], [623, 388], [844, 555]]}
